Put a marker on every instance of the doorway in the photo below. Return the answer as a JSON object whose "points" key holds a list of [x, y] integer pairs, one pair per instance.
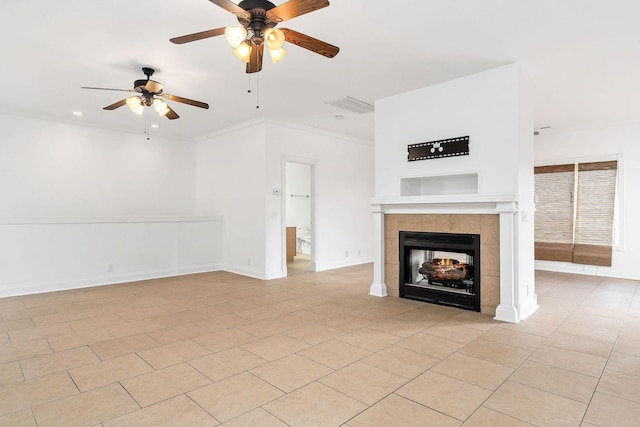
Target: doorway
{"points": [[298, 198]]}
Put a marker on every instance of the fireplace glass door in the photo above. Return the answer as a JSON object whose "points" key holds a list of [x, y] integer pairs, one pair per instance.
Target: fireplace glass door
{"points": [[441, 268]]}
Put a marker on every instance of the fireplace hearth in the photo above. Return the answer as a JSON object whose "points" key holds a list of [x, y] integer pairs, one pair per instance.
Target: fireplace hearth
{"points": [[440, 268]]}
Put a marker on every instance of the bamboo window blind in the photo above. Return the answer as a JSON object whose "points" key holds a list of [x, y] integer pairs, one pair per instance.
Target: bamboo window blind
{"points": [[574, 212]]}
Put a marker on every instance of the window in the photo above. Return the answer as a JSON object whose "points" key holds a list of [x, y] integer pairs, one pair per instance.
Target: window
{"points": [[575, 205]]}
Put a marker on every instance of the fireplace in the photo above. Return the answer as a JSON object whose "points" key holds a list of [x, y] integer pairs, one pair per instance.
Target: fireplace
{"points": [[441, 268]]}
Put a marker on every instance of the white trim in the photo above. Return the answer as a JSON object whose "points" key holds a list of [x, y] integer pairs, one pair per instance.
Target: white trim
{"points": [[587, 270], [342, 263], [578, 159], [77, 121], [265, 122], [103, 280], [313, 211], [619, 207], [104, 220]]}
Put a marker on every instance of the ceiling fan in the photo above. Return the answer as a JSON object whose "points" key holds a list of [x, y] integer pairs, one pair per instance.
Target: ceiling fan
{"points": [[258, 19], [150, 94]]}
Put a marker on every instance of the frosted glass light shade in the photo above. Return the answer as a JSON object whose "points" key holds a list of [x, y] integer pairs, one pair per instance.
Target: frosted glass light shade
{"points": [[161, 107], [277, 54], [243, 52], [235, 35], [135, 104], [274, 38]]}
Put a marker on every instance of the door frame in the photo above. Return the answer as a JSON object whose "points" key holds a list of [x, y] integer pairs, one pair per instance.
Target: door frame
{"points": [[312, 201]]}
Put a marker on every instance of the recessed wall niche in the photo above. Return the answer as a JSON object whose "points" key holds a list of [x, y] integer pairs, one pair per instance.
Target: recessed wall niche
{"points": [[440, 185]]}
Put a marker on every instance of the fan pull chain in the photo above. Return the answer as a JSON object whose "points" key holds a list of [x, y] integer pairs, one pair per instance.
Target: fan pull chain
{"points": [[146, 127], [257, 90]]}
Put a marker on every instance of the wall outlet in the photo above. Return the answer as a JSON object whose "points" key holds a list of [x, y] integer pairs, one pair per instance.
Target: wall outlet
{"points": [[111, 268], [346, 254], [248, 261]]}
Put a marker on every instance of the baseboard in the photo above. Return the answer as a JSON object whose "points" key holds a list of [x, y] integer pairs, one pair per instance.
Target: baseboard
{"points": [[527, 309], [102, 280], [322, 266], [243, 271], [589, 270]]}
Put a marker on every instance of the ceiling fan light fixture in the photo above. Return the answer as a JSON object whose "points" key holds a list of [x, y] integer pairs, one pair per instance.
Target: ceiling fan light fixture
{"points": [[160, 106], [243, 51], [275, 38], [135, 104], [235, 35], [277, 54]]}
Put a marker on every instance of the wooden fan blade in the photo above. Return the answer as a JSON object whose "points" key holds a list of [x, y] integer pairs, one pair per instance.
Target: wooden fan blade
{"points": [[255, 62], [171, 115], [197, 36], [233, 8], [186, 101], [294, 8], [115, 105], [308, 42], [104, 88], [153, 86]]}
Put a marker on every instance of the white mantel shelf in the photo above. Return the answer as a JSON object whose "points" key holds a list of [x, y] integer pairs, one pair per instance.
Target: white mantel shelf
{"points": [[453, 204]]}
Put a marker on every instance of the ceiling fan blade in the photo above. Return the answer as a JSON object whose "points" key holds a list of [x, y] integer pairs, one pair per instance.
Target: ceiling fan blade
{"points": [[197, 36], [233, 8], [255, 62], [104, 88], [294, 8], [308, 42], [115, 105], [186, 101], [171, 115], [153, 86]]}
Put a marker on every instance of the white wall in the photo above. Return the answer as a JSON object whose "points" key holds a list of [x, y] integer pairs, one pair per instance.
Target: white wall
{"points": [[484, 106], [83, 206], [230, 170], [54, 169], [342, 190], [601, 143], [42, 255], [238, 170]]}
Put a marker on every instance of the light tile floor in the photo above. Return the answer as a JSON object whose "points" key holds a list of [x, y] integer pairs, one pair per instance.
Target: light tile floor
{"points": [[315, 350]]}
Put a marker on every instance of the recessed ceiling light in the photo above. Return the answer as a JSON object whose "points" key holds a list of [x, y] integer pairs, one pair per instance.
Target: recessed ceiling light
{"points": [[155, 126], [77, 113]]}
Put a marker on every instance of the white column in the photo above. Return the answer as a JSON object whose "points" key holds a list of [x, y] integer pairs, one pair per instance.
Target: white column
{"points": [[507, 311], [378, 288]]}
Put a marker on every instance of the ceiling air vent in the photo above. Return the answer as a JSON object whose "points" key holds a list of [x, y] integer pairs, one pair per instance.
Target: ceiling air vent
{"points": [[352, 104]]}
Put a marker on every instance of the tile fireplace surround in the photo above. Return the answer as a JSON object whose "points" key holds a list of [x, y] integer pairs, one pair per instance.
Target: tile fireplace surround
{"points": [[487, 226], [493, 217]]}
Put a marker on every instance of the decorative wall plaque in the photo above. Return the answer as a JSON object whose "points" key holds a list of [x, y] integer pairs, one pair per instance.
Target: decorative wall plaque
{"points": [[442, 148]]}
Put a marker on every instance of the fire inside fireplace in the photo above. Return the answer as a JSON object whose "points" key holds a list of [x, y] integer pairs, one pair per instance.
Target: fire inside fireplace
{"points": [[441, 268]]}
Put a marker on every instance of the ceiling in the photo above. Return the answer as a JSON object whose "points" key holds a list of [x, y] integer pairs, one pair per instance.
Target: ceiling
{"points": [[583, 58]]}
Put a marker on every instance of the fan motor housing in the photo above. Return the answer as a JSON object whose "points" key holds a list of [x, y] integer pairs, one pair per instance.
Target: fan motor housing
{"points": [[138, 85], [256, 4], [258, 20]]}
